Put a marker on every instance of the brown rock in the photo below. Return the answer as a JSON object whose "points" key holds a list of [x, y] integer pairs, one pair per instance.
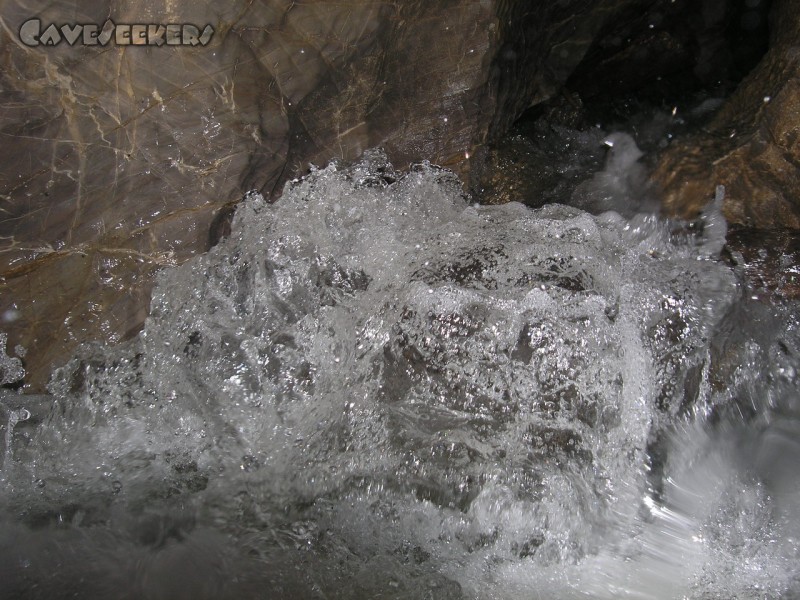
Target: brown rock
{"points": [[752, 146], [116, 160]]}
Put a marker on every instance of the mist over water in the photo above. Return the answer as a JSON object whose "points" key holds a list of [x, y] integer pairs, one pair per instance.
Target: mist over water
{"points": [[373, 389]]}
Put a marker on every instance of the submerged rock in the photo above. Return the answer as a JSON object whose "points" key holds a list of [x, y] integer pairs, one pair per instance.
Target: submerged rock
{"points": [[375, 381]]}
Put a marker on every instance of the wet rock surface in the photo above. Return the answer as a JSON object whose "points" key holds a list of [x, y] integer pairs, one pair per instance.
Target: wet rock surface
{"points": [[116, 160], [543, 161], [751, 145], [769, 260]]}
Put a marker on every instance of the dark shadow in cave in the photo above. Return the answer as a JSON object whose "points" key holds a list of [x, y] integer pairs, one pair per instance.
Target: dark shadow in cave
{"points": [[671, 55], [657, 73]]}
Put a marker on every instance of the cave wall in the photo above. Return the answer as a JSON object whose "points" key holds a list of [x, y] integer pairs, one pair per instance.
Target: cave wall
{"points": [[752, 144], [118, 160]]}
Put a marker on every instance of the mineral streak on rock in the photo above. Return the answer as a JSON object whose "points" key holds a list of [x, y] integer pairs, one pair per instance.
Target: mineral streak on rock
{"points": [[117, 159]]}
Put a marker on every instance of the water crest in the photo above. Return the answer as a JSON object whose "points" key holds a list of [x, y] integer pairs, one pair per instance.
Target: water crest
{"points": [[373, 389]]}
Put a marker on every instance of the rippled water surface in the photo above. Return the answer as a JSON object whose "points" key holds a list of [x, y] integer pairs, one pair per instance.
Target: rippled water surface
{"points": [[373, 389]]}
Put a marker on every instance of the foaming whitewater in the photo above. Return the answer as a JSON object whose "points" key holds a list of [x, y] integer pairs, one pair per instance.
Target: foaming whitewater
{"points": [[373, 389]]}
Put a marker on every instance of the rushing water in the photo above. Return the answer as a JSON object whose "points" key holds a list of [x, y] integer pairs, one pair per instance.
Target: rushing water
{"points": [[373, 389]]}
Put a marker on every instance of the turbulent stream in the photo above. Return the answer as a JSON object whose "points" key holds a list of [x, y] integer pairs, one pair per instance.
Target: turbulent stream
{"points": [[374, 389]]}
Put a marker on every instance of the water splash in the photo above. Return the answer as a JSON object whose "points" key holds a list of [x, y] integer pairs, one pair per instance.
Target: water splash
{"points": [[621, 186], [373, 389], [11, 369]]}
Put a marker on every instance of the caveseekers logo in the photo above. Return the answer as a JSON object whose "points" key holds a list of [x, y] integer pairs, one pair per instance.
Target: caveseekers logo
{"points": [[32, 34]]}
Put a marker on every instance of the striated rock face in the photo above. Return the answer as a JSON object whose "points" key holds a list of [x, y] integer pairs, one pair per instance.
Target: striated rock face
{"points": [[116, 160], [752, 146]]}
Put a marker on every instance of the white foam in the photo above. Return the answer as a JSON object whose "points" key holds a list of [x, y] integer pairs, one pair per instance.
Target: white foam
{"points": [[389, 386]]}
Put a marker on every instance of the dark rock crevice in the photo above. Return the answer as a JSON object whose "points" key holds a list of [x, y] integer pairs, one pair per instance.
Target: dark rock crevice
{"points": [[708, 90]]}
